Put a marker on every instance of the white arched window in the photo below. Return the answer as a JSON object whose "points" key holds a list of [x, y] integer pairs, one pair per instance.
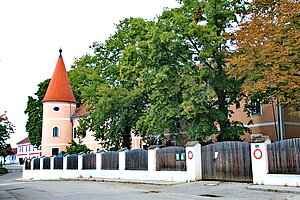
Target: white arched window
{"points": [[55, 132]]}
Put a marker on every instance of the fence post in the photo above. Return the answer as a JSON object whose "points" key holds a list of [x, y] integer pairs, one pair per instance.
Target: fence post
{"points": [[152, 157], [259, 158], [65, 162], [51, 163], [31, 163], [80, 164], [122, 159], [98, 160], [193, 160], [41, 163]]}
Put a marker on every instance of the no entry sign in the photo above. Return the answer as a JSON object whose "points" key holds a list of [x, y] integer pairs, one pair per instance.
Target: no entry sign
{"points": [[190, 155], [257, 153]]}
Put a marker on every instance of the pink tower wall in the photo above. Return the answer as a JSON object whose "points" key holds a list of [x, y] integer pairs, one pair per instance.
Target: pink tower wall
{"points": [[60, 119]]}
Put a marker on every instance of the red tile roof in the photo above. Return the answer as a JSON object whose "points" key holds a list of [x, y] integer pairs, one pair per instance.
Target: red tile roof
{"points": [[59, 88], [81, 111], [26, 140], [14, 150]]}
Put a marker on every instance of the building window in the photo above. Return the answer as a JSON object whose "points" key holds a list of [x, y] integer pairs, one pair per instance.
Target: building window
{"points": [[55, 151], [256, 108], [56, 109], [74, 133], [55, 132]]}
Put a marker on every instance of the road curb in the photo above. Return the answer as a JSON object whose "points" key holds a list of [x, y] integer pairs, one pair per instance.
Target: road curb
{"points": [[273, 189], [103, 180]]}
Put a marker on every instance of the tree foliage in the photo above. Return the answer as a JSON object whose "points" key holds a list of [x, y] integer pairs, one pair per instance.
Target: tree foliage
{"points": [[182, 66], [267, 53], [116, 104], [34, 110], [165, 74], [6, 128], [76, 148]]}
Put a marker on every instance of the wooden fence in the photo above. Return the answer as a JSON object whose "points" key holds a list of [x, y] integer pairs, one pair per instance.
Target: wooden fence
{"points": [[165, 159], [46, 163], [58, 163], [136, 159], [89, 161], [284, 157], [228, 161], [110, 160], [36, 163], [72, 162]]}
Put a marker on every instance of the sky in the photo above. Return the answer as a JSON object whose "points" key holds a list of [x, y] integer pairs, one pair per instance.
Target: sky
{"points": [[32, 32]]}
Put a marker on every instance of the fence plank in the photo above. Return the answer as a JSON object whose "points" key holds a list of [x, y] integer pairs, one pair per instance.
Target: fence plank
{"points": [[89, 161], [46, 163], [36, 163], [165, 159], [136, 159], [110, 160], [72, 162], [58, 163], [284, 157]]}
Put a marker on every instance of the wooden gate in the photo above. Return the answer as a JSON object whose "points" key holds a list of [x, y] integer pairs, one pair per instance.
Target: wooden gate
{"points": [[227, 161]]}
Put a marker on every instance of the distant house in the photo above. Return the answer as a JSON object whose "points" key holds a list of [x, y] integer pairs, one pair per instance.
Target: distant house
{"points": [[11, 158], [271, 120], [26, 150]]}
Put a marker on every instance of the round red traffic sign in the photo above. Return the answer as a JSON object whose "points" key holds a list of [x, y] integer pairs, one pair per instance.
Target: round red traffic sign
{"points": [[190, 155], [257, 153]]}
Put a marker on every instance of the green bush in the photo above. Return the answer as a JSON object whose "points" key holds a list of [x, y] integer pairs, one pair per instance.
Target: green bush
{"points": [[3, 171]]}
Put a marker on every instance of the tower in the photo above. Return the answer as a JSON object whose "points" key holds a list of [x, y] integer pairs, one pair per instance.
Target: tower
{"points": [[59, 104]]}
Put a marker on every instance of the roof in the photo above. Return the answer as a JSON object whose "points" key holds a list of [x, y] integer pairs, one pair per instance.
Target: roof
{"points": [[26, 140], [14, 150], [81, 111], [59, 88]]}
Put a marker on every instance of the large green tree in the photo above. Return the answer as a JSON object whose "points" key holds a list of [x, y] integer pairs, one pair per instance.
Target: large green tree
{"points": [[166, 74], [182, 65], [116, 103], [34, 110]]}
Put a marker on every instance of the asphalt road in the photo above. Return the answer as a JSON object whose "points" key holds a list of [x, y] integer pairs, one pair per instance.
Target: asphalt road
{"points": [[60, 190]]}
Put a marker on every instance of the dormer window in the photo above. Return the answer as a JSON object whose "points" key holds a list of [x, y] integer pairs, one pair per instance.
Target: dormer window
{"points": [[56, 108]]}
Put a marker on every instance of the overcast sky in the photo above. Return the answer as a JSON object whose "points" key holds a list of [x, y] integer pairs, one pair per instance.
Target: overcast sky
{"points": [[32, 31]]}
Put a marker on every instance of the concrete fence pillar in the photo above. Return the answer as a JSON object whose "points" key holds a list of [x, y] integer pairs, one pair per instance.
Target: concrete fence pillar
{"points": [[31, 163], [65, 162], [193, 160], [80, 161], [122, 159], [152, 157], [99, 160], [41, 163], [51, 163], [259, 158]]}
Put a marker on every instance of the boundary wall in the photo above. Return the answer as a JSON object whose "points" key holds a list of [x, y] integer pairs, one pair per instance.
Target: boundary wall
{"points": [[193, 166], [260, 168]]}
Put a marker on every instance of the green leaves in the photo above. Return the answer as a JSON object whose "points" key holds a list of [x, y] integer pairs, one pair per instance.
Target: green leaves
{"points": [[34, 110]]}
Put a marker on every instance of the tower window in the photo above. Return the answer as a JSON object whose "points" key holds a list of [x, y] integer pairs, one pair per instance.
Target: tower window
{"points": [[55, 132], [74, 133], [56, 109], [55, 151]]}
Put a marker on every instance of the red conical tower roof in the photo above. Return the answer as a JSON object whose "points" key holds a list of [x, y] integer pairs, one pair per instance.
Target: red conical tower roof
{"points": [[59, 88]]}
